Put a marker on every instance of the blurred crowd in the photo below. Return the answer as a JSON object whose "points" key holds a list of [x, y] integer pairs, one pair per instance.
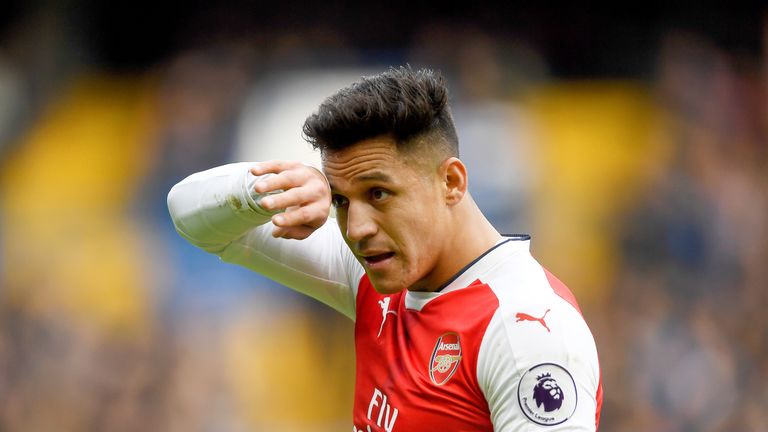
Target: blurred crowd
{"points": [[691, 287], [648, 197]]}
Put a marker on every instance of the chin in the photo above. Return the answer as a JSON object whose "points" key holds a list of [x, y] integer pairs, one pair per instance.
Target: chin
{"points": [[387, 289], [385, 286]]}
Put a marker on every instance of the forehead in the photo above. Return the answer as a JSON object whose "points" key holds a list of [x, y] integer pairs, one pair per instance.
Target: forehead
{"points": [[373, 159]]}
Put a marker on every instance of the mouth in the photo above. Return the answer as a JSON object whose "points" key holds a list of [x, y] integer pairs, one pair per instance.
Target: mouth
{"points": [[377, 260]]}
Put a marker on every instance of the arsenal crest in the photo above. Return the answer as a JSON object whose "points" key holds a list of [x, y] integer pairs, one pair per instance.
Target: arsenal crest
{"points": [[445, 358]]}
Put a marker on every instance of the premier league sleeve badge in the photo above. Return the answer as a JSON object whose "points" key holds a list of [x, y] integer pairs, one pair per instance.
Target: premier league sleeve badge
{"points": [[547, 394]]}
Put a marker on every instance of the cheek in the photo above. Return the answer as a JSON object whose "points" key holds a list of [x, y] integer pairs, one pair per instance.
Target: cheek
{"points": [[423, 247], [416, 224], [426, 227]]}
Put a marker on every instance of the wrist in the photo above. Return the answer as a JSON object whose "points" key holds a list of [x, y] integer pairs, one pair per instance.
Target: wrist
{"points": [[253, 198]]}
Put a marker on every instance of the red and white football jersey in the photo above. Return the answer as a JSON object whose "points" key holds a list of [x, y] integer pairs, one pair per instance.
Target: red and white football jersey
{"points": [[501, 347]]}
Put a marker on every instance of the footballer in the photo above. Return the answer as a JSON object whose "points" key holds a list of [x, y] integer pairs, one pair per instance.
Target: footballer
{"points": [[457, 327]]}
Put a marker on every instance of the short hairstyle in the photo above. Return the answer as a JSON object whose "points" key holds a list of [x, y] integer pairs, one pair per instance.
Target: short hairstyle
{"points": [[403, 103]]}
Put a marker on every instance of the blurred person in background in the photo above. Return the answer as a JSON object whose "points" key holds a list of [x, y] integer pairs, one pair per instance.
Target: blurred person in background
{"points": [[456, 326], [692, 285], [488, 78]]}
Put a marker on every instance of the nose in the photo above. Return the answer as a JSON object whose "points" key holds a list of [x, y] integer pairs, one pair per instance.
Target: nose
{"points": [[360, 225]]}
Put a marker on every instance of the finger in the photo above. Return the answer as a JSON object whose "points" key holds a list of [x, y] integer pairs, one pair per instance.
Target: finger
{"points": [[297, 233], [301, 195], [273, 166], [321, 210], [273, 182], [288, 179], [310, 215], [291, 217], [289, 198], [278, 232]]}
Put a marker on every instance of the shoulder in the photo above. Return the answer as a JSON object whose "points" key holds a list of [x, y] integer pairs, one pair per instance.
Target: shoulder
{"points": [[537, 338], [533, 303], [541, 328]]}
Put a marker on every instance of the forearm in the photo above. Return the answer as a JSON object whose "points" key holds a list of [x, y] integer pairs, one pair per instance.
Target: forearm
{"points": [[212, 208], [320, 266], [215, 211]]}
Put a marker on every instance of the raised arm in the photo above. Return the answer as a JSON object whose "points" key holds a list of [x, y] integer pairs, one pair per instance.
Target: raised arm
{"points": [[218, 211]]}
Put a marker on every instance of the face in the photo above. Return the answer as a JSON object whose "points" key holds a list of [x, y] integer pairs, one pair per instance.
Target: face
{"points": [[391, 211]]}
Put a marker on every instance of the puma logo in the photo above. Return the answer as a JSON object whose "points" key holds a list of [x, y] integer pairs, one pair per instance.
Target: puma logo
{"points": [[384, 303], [525, 317]]}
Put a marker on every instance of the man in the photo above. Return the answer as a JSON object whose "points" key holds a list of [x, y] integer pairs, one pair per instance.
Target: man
{"points": [[457, 328]]}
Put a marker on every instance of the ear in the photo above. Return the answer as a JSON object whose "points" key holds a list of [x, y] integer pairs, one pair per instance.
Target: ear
{"points": [[454, 176]]}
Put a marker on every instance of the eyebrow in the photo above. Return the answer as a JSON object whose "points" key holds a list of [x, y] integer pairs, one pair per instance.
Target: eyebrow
{"points": [[374, 176]]}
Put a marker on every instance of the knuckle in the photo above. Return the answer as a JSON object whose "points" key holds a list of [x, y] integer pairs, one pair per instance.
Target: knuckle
{"points": [[275, 201], [320, 190], [316, 224], [303, 214], [291, 197], [314, 194], [290, 177]]}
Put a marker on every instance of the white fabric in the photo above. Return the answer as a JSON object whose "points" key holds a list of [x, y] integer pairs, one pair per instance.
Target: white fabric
{"points": [[511, 347], [214, 211]]}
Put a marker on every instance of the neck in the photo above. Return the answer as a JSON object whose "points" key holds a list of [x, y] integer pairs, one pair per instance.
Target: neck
{"points": [[476, 235]]}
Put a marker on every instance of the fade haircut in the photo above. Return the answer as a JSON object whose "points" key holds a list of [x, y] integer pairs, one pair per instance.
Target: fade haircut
{"points": [[411, 106]]}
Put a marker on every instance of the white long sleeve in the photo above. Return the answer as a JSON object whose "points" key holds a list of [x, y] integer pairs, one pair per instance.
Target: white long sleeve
{"points": [[213, 210]]}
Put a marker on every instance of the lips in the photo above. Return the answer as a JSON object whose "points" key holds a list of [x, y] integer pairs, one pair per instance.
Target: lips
{"points": [[372, 260]]}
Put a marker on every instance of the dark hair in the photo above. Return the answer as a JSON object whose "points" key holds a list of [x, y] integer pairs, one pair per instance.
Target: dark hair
{"points": [[401, 103]]}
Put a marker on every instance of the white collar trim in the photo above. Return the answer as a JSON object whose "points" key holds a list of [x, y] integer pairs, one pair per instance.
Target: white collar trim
{"points": [[506, 246]]}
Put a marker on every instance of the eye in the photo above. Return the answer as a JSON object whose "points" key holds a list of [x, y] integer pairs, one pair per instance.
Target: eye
{"points": [[379, 194], [339, 201]]}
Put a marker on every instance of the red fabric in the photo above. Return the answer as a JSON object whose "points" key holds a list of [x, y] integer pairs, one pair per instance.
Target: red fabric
{"points": [[395, 363]]}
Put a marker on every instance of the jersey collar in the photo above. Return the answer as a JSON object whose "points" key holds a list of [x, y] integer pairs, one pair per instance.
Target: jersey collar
{"points": [[507, 245]]}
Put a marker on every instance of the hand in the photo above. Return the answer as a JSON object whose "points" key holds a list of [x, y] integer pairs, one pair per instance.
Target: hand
{"points": [[306, 197]]}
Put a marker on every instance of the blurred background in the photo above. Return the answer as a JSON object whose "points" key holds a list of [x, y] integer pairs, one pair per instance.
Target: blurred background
{"points": [[632, 143]]}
